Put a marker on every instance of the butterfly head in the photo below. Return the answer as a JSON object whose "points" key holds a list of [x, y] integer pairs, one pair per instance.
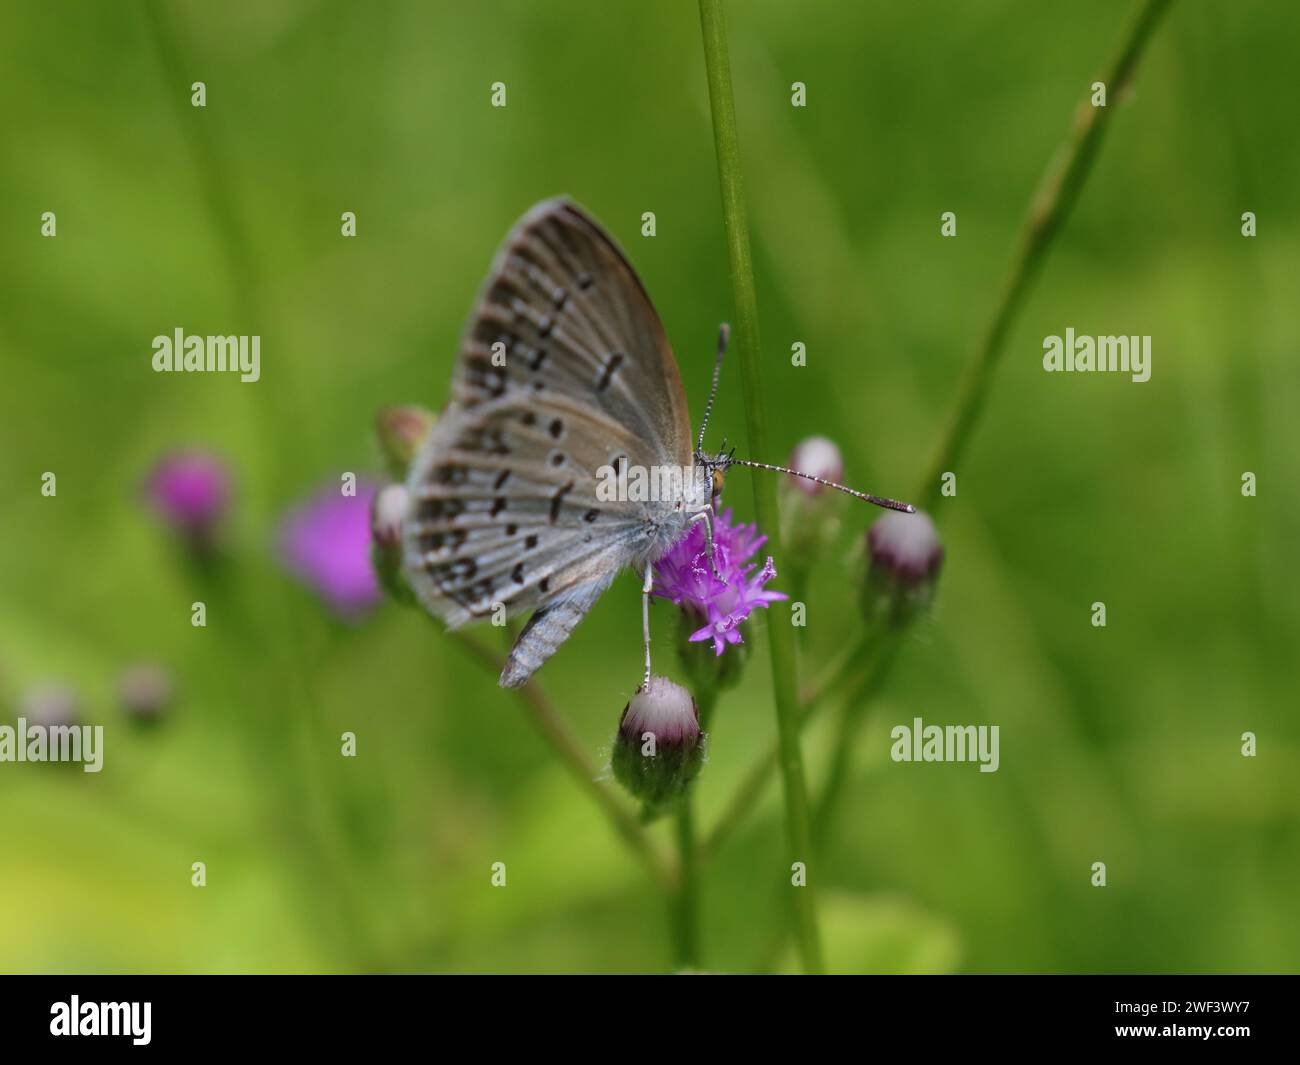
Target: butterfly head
{"points": [[715, 467]]}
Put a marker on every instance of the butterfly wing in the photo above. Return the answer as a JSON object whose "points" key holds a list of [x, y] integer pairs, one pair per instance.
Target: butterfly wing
{"points": [[566, 311], [564, 368]]}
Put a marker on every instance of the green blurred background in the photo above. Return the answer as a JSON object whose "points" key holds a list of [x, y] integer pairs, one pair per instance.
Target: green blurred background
{"points": [[1119, 744]]}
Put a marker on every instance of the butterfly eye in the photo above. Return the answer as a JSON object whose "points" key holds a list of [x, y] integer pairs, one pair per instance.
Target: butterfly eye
{"points": [[718, 478]]}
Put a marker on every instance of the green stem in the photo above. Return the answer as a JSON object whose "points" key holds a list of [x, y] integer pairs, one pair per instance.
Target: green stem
{"points": [[686, 901], [780, 637], [574, 757], [1057, 193]]}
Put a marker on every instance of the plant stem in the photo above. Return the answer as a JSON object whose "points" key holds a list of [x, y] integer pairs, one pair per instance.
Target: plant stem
{"points": [[686, 902], [1057, 193], [780, 637], [556, 732]]}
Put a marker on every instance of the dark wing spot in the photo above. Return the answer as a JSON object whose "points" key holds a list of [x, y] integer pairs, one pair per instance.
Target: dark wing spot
{"points": [[498, 505], [560, 297], [501, 479], [530, 542], [517, 574], [511, 529], [528, 418], [539, 357], [607, 371], [544, 585], [557, 500], [585, 281], [556, 428], [591, 515], [557, 458]]}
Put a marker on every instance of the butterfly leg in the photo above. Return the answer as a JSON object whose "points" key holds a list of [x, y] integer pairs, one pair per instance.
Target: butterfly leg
{"points": [[646, 587], [706, 515]]}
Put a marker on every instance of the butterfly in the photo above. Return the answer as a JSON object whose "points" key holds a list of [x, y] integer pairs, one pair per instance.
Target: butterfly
{"points": [[565, 374]]}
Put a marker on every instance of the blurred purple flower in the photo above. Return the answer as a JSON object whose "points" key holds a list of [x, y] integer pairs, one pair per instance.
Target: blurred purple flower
{"points": [[51, 705], [326, 544], [145, 690], [684, 576], [190, 491]]}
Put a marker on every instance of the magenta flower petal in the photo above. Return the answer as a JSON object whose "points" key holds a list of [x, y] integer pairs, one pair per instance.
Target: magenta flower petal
{"points": [[326, 544], [684, 577]]}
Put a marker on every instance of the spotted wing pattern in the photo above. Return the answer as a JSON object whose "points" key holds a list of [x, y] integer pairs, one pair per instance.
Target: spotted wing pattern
{"points": [[564, 369]]}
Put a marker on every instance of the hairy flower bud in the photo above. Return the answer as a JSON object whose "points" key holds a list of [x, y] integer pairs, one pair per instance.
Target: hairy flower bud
{"points": [[387, 512], [820, 457], [659, 748], [400, 431], [810, 512], [905, 558], [145, 691], [51, 705]]}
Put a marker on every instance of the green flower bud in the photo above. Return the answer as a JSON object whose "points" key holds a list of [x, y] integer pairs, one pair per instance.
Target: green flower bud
{"points": [[905, 558], [401, 431], [659, 748], [145, 691], [387, 512], [810, 512]]}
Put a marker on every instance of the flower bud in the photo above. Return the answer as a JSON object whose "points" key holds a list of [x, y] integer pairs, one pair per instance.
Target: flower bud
{"points": [[190, 491], [50, 705], [145, 691], [820, 457], [659, 748], [905, 558], [810, 511], [387, 512], [400, 431]]}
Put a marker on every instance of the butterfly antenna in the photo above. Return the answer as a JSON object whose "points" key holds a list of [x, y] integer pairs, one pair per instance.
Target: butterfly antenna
{"points": [[724, 337], [880, 501]]}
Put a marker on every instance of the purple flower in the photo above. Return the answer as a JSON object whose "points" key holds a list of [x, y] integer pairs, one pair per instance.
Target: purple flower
{"points": [[190, 491], [684, 576], [326, 544]]}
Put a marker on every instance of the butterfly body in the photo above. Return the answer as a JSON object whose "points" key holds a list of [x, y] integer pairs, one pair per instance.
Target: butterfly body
{"points": [[565, 374]]}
